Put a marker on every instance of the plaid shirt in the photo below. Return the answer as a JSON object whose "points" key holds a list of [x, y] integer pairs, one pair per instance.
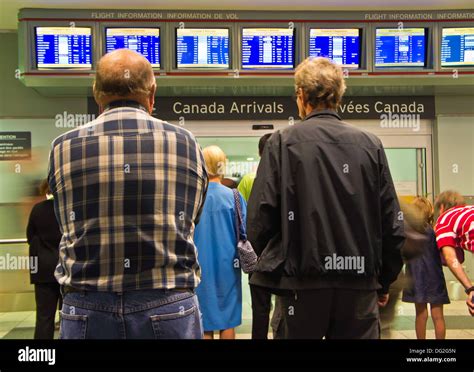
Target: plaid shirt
{"points": [[128, 190]]}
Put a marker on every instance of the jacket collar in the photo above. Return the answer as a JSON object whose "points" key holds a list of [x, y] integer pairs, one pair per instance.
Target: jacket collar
{"points": [[316, 113]]}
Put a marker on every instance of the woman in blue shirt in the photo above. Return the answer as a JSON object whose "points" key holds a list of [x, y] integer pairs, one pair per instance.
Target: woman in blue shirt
{"points": [[220, 290]]}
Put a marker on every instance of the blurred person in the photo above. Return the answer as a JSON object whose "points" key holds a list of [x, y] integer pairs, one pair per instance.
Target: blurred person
{"points": [[427, 284], [43, 238], [261, 296], [246, 183], [454, 234], [415, 243], [220, 291], [323, 217], [128, 190]]}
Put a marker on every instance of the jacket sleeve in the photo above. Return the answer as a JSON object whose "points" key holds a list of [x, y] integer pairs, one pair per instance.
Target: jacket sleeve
{"points": [[263, 207], [393, 236]]}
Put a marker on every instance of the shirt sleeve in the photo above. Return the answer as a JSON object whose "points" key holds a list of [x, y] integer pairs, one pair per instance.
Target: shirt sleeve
{"points": [[244, 187], [445, 235]]}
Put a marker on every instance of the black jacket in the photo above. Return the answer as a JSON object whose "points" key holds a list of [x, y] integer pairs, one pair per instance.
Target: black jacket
{"points": [[43, 238], [323, 187]]}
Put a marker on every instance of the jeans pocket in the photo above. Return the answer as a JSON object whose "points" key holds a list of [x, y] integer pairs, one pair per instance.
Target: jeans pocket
{"points": [[178, 325], [73, 327]]}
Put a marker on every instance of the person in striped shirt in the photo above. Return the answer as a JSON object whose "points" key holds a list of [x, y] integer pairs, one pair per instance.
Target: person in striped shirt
{"points": [[454, 234]]}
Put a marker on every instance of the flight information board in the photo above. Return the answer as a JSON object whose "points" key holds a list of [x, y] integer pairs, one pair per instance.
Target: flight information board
{"points": [[457, 47], [342, 46], [400, 47], [202, 48], [267, 48], [63, 47], [145, 41]]}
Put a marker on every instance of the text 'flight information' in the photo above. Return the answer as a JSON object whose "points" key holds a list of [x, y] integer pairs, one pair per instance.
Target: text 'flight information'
{"points": [[267, 48], [400, 47], [202, 48], [457, 47], [342, 46], [145, 41], [63, 47]]}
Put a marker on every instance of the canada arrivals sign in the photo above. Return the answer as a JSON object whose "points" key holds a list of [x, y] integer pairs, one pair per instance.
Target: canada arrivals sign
{"points": [[280, 108]]}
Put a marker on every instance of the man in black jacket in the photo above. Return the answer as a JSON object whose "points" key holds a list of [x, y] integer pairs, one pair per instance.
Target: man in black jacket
{"points": [[324, 217], [43, 236]]}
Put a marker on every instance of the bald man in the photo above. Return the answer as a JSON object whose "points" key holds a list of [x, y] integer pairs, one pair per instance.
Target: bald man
{"points": [[128, 191]]}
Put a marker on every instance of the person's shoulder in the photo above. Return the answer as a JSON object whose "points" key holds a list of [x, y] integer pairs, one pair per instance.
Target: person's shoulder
{"points": [[178, 129], [249, 177], [78, 131], [41, 206]]}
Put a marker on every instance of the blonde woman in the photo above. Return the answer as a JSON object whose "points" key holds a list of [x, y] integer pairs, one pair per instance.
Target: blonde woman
{"points": [[220, 291], [426, 278]]}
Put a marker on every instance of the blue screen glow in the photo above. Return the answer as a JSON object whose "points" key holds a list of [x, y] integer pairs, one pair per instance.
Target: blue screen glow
{"points": [[63, 47]]}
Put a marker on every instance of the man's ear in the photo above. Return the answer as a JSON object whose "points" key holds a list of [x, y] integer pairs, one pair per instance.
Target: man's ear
{"points": [[94, 92]]}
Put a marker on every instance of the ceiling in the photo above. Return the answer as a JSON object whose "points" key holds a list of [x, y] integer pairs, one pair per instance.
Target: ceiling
{"points": [[9, 8]]}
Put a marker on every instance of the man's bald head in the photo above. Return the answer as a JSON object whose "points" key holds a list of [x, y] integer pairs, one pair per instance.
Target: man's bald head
{"points": [[124, 74]]}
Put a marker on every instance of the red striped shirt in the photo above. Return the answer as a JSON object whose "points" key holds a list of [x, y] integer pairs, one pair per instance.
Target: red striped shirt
{"points": [[455, 228]]}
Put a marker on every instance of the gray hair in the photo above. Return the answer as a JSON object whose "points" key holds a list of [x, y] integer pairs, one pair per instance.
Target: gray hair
{"points": [[322, 81]]}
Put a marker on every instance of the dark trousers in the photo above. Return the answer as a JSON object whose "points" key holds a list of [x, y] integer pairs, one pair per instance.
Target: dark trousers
{"points": [[47, 296], [261, 306], [331, 313]]}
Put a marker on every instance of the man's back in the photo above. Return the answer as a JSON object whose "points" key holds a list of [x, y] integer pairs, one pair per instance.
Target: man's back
{"points": [[128, 189], [336, 199]]}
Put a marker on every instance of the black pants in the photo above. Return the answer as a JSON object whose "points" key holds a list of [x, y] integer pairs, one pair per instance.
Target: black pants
{"points": [[47, 296], [331, 313], [261, 306]]}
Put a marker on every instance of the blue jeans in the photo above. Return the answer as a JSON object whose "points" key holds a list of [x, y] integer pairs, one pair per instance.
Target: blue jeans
{"points": [[146, 314]]}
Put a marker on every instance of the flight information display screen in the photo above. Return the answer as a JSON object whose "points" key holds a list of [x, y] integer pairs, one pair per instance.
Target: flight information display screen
{"points": [[63, 47], [457, 47], [342, 46], [267, 48], [400, 47], [145, 41], [202, 48]]}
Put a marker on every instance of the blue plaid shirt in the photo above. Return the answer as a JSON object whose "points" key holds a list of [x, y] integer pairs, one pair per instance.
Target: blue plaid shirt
{"points": [[128, 190]]}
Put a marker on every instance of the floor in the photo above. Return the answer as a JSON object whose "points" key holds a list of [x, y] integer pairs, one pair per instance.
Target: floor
{"points": [[20, 325]]}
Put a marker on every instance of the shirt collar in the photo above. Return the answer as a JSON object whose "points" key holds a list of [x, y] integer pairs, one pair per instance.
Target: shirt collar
{"points": [[327, 112], [124, 103]]}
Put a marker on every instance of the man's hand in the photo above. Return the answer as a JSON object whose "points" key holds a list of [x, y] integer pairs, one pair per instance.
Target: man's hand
{"points": [[383, 300], [470, 303]]}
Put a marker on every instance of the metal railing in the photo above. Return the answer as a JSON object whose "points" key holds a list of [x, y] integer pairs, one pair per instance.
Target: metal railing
{"points": [[13, 241]]}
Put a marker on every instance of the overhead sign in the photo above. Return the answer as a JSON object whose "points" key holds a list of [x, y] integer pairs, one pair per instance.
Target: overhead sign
{"points": [[15, 145], [226, 16], [280, 108]]}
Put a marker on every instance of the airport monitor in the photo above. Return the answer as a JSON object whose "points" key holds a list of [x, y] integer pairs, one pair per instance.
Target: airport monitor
{"points": [[63, 47], [206, 48], [400, 48], [145, 41], [342, 46], [457, 47], [268, 48]]}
